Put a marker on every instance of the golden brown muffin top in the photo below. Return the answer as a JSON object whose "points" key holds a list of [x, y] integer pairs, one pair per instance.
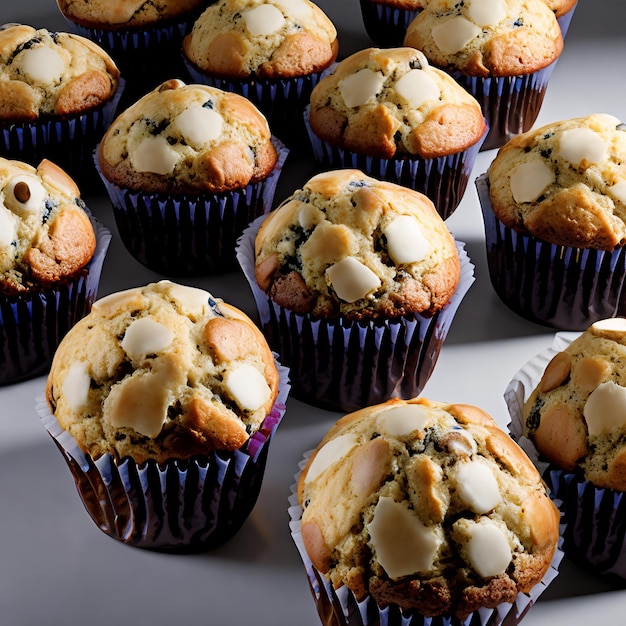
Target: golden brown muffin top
{"points": [[45, 233], [565, 182], [349, 245], [427, 505], [487, 37], [187, 139], [576, 414], [49, 73], [263, 38], [162, 371], [383, 102]]}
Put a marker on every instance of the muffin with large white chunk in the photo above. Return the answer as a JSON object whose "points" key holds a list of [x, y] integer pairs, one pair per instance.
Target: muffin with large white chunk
{"points": [[502, 51], [554, 207], [58, 94], [568, 405], [187, 168], [153, 397], [357, 281], [51, 255], [416, 510]]}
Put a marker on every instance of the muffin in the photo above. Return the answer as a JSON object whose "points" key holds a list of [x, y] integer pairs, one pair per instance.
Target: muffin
{"points": [[568, 404], [187, 168], [143, 36], [270, 52], [164, 401], [51, 255], [563, 11], [356, 283], [58, 94], [554, 204], [422, 512], [503, 55], [390, 114], [386, 21]]}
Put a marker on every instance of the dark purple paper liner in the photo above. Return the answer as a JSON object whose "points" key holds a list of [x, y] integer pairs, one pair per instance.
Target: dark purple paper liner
{"points": [[185, 235], [347, 365], [179, 506], [32, 324], [281, 100], [68, 142], [443, 179], [386, 25], [511, 104], [557, 286], [339, 607]]}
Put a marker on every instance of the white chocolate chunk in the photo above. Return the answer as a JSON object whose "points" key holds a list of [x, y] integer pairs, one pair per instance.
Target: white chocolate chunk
{"points": [[25, 194], [454, 34], [43, 65], [488, 549], [529, 180], [145, 337], [417, 87], [75, 388], [404, 419], [193, 300], [199, 125], [618, 191], [462, 443], [486, 12], [299, 9], [8, 226], [263, 20], [352, 280], [360, 87], [612, 327], [406, 242], [247, 386], [403, 545], [478, 487], [155, 155], [330, 453], [582, 144], [605, 409], [110, 304]]}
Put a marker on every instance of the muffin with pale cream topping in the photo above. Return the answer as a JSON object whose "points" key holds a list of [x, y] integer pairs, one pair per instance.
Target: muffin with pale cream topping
{"points": [[187, 167], [163, 383], [356, 281], [554, 205], [425, 510]]}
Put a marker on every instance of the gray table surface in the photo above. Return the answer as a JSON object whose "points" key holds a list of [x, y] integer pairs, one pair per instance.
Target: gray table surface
{"points": [[57, 568]]}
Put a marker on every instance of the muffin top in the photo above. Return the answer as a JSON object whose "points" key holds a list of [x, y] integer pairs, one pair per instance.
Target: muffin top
{"points": [[564, 183], [45, 233], [264, 38], [487, 37], [115, 14], [383, 102], [576, 416], [426, 505], [162, 371], [47, 73], [352, 246], [187, 139]]}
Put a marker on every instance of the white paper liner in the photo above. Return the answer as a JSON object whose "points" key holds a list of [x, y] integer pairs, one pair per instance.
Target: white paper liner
{"points": [[505, 614]]}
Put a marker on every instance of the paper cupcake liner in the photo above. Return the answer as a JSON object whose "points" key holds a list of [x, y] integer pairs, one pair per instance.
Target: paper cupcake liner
{"points": [[565, 20], [281, 100], [443, 179], [68, 142], [595, 532], [557, 286], [185, 235], [32, 324], [178, 506], [386, 25], [346, 365], [511, 104], [340, 607]]}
